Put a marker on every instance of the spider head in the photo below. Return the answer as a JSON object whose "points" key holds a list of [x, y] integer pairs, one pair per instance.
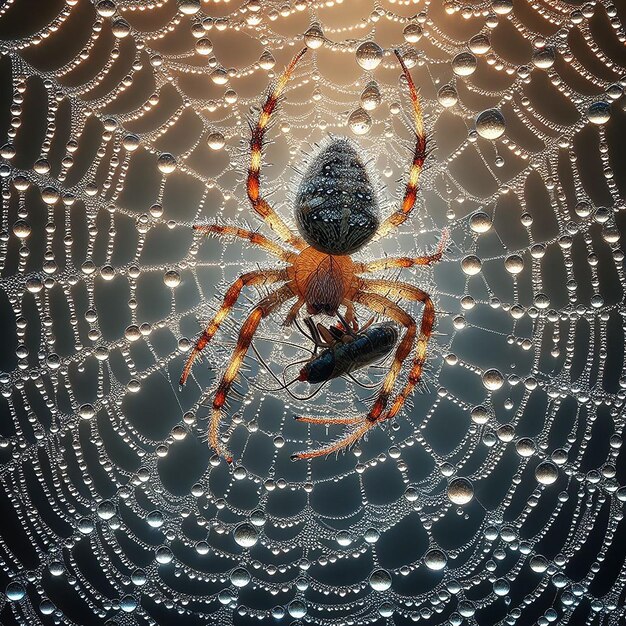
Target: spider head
{"points": [[336, 207], [322, 308]]}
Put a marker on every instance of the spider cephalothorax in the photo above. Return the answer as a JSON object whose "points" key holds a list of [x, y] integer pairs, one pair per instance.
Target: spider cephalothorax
{"points": [[337, 214]]}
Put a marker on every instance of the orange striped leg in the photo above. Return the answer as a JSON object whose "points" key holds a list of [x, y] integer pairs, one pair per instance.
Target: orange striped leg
{"points": [[409, 292], [256, 148], [389, 309], [293, 312], [419, 156], [401, 262], [254, 238], [263, 309], [263, 277]]}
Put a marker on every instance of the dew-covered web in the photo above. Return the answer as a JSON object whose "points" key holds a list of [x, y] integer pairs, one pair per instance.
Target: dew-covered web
{"points": [[496, 497]]}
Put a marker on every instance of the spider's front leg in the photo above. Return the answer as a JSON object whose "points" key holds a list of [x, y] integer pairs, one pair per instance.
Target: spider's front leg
{"points": [[419, 156], [263, 309], [253, 183]]}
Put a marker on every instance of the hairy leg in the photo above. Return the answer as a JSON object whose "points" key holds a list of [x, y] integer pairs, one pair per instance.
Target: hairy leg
{"points": [[386, 307], [408, 292], [293, 312], [263, 309], [419, 156], [401, 262], [256, 147], [262, 277], [254, 238]]}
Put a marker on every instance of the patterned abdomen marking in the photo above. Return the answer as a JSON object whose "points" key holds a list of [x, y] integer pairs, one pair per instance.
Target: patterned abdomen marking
{"points": [[336, 208]]}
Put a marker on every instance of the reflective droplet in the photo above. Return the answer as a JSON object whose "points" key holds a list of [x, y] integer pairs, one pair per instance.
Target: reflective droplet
{"points": [[471, 265], [188, 7], [447, 96], [245, 535], [490, 124], [369, 55], [166, 163], [360, 122], [412, 33], [464, 64], [314, 37], [479, 44], [240, 577], [493, 379], [435, 559], [370, 97], [546, 473], [171, 278], [297, 609], [460, 491], [599, 113], [380, 580], [204, 46], [514, 264], [544, 58], [15, 591]]}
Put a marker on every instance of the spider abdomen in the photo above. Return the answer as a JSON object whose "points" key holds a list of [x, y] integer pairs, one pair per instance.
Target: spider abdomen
{"points": [[336, 207]]}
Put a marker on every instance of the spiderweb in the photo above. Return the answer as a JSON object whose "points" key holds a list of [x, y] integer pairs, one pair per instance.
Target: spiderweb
{"points": [[496, 497]]}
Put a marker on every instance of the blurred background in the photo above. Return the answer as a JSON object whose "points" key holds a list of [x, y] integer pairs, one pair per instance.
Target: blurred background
{"points": [[496, 497]]}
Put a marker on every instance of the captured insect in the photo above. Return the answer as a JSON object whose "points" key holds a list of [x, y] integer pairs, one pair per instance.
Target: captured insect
{"points": [[337, 214], [346, 349]]}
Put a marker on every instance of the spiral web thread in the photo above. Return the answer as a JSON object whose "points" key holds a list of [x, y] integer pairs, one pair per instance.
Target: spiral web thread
{"points": [[495, 498]]}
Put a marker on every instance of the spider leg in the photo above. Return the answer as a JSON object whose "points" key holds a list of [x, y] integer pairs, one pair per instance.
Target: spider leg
{"points": [[252, 237], [258, 203], [261, 310], [419, 156], [351, 315], [251, 278], [362, 425], [293, 312], [409, 292], [401, 262], [384, 306]]}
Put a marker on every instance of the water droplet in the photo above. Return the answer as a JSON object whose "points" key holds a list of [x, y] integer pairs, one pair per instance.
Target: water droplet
{"points": [[166, 163], [493, 379], [369, 55], [490, 124], [464, 64], [314, 37], [360, 122], [447, 96], [15, 591], [171, 278], [245, 535], [546, 473], [380, 580], [599, 113], [460, 491], [471, 265]]}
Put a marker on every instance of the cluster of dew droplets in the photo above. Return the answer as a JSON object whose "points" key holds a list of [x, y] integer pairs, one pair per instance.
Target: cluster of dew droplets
{"points": [[105, 287]]}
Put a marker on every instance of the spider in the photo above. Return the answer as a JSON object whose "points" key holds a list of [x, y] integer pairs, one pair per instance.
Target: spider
{"points": [[337, 214]]}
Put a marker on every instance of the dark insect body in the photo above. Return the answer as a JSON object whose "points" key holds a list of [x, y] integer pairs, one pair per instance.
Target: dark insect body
{"points": [[365, 348], [337, 213]]}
